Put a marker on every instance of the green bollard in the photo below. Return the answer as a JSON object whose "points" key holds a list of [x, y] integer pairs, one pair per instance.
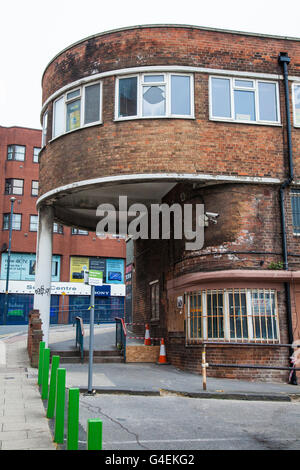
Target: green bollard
{"points": [[60, 406], [52, 388], [73, 419], [40, 370], [94, 434], [45, 376]]}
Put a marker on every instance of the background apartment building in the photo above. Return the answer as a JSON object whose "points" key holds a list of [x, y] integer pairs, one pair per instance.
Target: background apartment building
{"points": [[74, 250]]}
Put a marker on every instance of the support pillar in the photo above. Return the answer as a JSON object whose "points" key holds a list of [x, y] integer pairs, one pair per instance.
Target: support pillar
{"points": [[43, 271]]}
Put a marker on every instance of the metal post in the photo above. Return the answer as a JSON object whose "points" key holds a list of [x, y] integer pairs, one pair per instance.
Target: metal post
{"points": [[45, 377], [40, 370], [60, 406], [204, 365], [12, 200], [91, 347], [73, 419], [94, 434], [52, 388]]}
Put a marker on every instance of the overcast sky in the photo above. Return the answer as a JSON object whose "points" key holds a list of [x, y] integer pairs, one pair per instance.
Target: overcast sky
{"points": [[32, 32]]}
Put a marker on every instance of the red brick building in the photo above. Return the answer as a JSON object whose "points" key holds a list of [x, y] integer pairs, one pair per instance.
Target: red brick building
{"points": [[189, 115], [19, 167]]}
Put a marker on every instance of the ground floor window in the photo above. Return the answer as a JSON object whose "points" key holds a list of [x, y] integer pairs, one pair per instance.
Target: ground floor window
{"points": [[232, 315]]}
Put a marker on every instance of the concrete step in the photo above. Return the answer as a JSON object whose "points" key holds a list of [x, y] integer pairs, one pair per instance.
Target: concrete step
{"points": [[74, 357]]}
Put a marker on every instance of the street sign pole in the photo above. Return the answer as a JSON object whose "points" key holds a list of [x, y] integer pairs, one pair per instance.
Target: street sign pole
{"points": [[91, 348]]}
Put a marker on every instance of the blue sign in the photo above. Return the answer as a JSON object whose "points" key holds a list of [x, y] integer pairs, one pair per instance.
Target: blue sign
{"points": [[102, 291], [22, 267], [115, 271]]}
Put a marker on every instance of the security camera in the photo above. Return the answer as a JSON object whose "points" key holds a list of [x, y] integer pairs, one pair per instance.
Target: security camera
{"points": [[212, 217]]}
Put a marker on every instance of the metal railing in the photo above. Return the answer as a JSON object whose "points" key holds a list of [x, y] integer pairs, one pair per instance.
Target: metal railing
{"points": [[79, 336], [121, 335]]}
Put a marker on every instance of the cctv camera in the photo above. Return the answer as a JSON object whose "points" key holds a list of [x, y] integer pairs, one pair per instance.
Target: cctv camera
{"points": [[213, 215]]}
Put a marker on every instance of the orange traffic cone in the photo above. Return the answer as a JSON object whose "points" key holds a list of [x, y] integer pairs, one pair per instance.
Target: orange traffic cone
{"points": [[162, 353], [147, 341]]}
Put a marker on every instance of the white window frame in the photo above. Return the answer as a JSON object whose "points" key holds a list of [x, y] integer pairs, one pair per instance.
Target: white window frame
{"points": [[294, 85], [45, 128], [80, 97], [234, 87], [33, 224], [226, 316], [167, 83]]}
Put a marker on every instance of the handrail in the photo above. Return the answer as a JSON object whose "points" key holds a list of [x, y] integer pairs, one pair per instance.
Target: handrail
{"points": [[121, 334], [79, 335]]}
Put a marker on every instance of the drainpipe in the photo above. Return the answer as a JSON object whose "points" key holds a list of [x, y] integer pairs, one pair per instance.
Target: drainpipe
{"points": [[284, 60]]}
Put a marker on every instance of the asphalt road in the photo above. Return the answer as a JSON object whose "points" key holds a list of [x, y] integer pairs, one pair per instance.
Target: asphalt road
{"points": [[178, 423]]}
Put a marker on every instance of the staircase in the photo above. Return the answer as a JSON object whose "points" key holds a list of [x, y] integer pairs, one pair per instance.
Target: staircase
{"points": [[99, 357]]}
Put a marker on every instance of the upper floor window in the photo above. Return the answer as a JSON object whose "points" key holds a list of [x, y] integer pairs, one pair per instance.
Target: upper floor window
{"points": [[58, 228], [77, 231], [16, 152], [296, 104], [14, 186], [77, 108], [244, 100], [16, 221], [45, 127], [34, 188], [154, 95], [34, 222], [36, 152], [295, 202]]}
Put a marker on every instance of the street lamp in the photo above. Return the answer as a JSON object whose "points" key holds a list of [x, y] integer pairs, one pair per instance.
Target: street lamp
{"points": [[12, 200]]}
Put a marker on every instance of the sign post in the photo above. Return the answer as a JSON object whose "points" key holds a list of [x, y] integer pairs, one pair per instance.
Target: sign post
{"points": [[94, 278]]}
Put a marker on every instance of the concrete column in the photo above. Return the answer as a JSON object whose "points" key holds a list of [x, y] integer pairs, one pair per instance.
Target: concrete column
{"points": [[42, 290]]}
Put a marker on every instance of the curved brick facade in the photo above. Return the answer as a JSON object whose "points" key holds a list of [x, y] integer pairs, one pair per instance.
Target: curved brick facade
{"points": [[239, 167]]}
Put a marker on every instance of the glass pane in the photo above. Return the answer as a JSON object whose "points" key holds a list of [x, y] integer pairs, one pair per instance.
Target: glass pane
{"points": [[297, 104], [10, 152], [154, 78], [195, 316], [154, 101], [59, 126], [73, 94], [244, 103], [45, 125], [295, 201], [220, 94], [92, 104], [73, 115], [180, 95], [238, 315], [16, 222], [243, 83], [128, 96], [19, 153], [267, 101], [215, 315]]}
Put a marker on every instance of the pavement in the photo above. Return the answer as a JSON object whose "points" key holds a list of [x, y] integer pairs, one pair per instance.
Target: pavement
{"points": [[23, 422]]}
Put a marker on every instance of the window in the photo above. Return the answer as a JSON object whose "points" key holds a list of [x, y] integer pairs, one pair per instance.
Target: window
{"points": [[244, 100], [232, 315], [36, 151], [76, 231], [14, 186], [34, 188], [57, 228], [154, 95], [77, 108], [16, 221], [34, 222], [296, 104], [295, 203], [154, 300], [16, 152], [45, 128]]}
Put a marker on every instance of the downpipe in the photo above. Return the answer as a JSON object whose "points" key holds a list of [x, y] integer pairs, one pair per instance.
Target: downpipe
{"points": [[284, 60]]}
